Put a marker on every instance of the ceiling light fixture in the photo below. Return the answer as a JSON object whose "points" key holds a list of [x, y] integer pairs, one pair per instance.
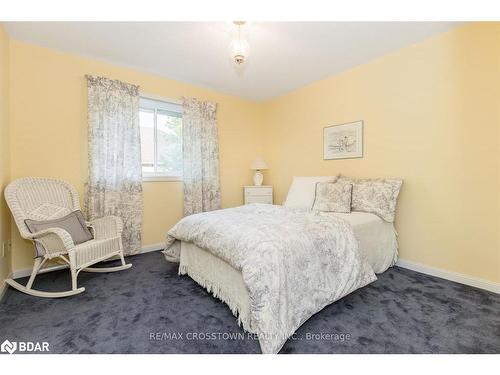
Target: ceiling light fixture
{"points": [[239, 46]]}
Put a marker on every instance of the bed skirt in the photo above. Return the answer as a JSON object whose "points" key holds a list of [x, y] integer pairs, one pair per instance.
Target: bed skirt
{"points": [[219, 278]]}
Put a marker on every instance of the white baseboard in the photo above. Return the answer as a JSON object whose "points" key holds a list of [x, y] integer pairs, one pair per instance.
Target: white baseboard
{"points": [[418, 267], [153, 247], [449, 275], [27, 271], [3, 289]]}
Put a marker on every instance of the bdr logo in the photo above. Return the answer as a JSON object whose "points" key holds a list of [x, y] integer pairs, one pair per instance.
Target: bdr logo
{"points": [[24, 346], [8, 346]]}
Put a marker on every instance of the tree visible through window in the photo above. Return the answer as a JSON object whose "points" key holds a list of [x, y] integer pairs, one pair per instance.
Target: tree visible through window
{"points": [[161, 138]]}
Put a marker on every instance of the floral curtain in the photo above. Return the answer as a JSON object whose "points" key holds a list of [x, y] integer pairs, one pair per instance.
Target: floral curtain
{"points": [[200, 156], [114, 185]]}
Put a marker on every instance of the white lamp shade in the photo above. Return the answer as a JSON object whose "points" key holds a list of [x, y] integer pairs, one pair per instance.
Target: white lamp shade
{"points": [[258, 164]]}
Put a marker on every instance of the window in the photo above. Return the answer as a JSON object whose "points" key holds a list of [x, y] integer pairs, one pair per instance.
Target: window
{"points": [[161, 139]]}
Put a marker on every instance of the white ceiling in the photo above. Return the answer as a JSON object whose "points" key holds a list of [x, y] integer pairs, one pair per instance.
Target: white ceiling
{"points": [[283, 55]]}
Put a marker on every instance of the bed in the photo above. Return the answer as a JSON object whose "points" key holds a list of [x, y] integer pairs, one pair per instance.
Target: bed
{"points": [[376, 240], [277, 266]]}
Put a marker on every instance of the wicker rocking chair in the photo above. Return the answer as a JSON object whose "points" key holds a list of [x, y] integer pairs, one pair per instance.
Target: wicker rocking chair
{"points": [[46, 199]]}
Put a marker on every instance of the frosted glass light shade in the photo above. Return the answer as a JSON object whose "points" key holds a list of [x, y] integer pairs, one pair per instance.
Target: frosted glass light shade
{"points": [[258, 164], [239, 50]]}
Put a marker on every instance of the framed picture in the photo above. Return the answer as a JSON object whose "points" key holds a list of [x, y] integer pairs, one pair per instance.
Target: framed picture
{"points": [[343, 141]]}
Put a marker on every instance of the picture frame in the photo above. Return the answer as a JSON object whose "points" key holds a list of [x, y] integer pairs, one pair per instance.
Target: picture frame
{"points": [[343, 141]]}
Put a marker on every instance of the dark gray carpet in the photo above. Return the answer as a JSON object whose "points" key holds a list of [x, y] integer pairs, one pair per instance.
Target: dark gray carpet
{"points": [[402, 312]]}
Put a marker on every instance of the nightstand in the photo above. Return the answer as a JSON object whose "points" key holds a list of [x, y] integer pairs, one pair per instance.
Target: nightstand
{"points": [[258, 194]]}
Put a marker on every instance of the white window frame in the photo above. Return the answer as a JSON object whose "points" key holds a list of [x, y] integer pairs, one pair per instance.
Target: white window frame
{"points": [[155, 104]]}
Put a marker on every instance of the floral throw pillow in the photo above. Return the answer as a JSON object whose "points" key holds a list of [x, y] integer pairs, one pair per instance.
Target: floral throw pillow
{"points": [[377, 196], [333, 197]]}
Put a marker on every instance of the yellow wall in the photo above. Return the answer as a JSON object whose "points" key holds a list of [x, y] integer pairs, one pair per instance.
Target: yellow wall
{"points": [[5, 262], [48, 132], [431, 116]]}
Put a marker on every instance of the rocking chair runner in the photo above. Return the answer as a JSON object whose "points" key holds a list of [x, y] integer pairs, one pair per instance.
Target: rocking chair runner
{"points": [[45, 199]]}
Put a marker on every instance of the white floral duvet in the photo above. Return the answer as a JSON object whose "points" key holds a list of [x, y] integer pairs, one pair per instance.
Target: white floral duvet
{"points": [[294, 262]]}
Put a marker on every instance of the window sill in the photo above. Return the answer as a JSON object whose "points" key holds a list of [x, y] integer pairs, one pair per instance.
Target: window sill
{"points": [[161, 179]]}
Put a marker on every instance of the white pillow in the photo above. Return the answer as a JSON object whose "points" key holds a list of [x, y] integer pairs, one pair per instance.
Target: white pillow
{"points": [[303, 189]]}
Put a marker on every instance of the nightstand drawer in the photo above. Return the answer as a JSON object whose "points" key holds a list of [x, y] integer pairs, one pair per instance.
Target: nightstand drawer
{"points": [[258, 194], [258, 191], [268, 199]]}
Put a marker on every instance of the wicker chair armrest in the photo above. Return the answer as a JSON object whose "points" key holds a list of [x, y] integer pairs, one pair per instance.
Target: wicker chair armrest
{"points": [[106, 227], [55, 241]]}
